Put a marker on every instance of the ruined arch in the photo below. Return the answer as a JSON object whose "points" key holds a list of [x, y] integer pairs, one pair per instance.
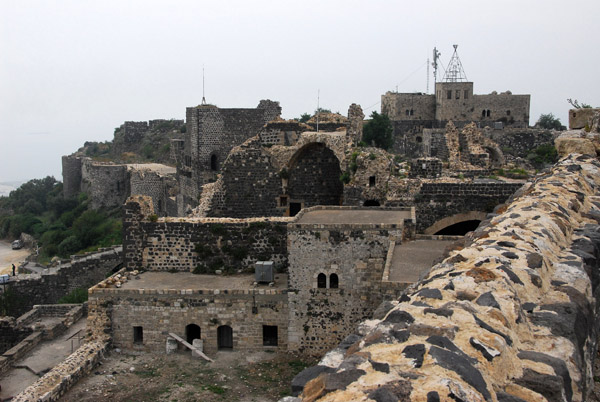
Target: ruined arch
{"points": [[496, 156], [192, 331], [314, 176], [454, 219]]}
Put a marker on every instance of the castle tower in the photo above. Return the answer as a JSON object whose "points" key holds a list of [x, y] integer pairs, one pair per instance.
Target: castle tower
{"points": [[454, 94]]}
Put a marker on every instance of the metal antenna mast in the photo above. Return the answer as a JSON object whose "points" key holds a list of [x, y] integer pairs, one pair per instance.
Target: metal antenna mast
{"points": [[203, 99], [318, 108], [427, 75], [455, 71], [434, 64]]}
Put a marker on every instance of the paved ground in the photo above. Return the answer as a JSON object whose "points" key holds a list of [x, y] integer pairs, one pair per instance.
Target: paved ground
{"points": [[44, 356], [413, 258], [365, 216], [187, 280], [8, 256]]}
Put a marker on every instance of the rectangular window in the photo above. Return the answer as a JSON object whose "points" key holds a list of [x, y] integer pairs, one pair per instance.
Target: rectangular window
{"points": [[371, 181], [457, 93], [138, 335], [449, 94], [269, 335], [466, 94]]}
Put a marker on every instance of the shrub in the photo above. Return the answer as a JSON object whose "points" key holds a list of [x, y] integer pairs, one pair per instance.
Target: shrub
{"points": [[77, 296]]}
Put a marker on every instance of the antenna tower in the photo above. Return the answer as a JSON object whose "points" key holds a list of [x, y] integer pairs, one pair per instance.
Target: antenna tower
{"points": [[455, 71], [318, 108], [427, 75], [203, 99], [434, 64]]}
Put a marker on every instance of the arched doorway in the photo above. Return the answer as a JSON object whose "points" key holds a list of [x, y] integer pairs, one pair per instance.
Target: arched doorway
{"points": [[224, 337], [314, 176], [371, 203], [192, 331], [449, 221], [459, 229]]}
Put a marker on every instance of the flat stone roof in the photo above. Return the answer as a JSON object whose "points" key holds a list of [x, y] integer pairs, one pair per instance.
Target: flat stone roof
{"points": [[412, 258], [156, 280], [153, 167], [354, 216]]}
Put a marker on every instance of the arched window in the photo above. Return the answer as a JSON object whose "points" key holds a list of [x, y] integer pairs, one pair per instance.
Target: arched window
{"points": [[483, 113], [213, 162], [225, 337], [333, 281], [322, 281], [192, 331], [488, 113]]}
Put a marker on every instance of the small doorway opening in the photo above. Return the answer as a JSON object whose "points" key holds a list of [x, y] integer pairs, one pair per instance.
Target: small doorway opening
{"points": [[371, 203], [138, 335], [192, 331], [295, 207], [269, 335], [333, 281], [224, 337], [213, 162]]}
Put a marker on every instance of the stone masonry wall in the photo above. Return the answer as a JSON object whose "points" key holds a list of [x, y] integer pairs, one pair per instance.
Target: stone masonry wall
{"points": [[107, 184], [513, 316], [83, 271], [174, 244], [161, 312], [71, 172], [321, 317]]}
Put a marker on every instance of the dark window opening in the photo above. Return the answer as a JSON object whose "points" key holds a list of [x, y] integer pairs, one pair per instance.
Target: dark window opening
{"points": [[419, 139], [508, 112], [138, 335], [295, 207], [483, 113], [371, 203], [488, 113], [460, 228], [269, 335], [192, 331], [283, 201], [407, 112], [372, 181], [213, 162], [412, 112], [322, 281], [224, 337], [457, 94], [333, 281], [466, 94], [449, 94], [159, 205]]}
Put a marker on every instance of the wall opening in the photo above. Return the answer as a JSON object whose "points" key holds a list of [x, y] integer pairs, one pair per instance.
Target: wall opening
{"points": [[487, 112], [192, 331], [372, 181], [322, 281], [213, 162], [138, 335], [269, 335], [314, 176], [224, 337], [466, 94], [449, 94], [460, 228], [295, 207], [371, 203], [483, 113], [333, 281]]}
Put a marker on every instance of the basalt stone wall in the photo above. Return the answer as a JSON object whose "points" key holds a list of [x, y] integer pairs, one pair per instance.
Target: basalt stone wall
{"points": [[426, 167], [11, 334], [352, 255], [512, 316], [83, 271], [154, 185], [250, 185], [107, 184], [204, 245], [71, 172], [520, 142], [436, 201]]}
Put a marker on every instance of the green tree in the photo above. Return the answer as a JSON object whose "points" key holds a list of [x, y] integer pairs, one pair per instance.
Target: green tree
{"points": [[304, 117], [378, 131], [549, 122]]}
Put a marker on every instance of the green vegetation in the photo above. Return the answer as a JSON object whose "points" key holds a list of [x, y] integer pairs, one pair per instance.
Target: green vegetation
{"points": [[514, 173], [77, 296], [378, 131], [304, 117], [576, 105], [549, 122], [543, 155], [61, 226]]}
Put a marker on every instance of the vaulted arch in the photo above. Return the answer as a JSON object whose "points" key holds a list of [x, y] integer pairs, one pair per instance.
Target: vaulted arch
{"points": [[454, 219]]}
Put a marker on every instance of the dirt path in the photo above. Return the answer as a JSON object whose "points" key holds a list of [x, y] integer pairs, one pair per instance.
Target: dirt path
{"points": [[234, 376], [8, 256]]}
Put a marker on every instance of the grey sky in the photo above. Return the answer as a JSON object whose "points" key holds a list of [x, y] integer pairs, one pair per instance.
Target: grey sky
{"points": [[72, 71]]}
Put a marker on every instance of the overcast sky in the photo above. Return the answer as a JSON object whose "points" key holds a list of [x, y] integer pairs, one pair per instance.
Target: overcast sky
{"points": [[72, 71]]}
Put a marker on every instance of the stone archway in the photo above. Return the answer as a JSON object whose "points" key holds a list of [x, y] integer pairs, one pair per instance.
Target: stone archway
{"points": [[454, 219], [314, 176]]}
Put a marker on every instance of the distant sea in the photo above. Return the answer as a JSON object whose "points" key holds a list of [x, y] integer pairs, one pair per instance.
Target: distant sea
{"points": [[7, 187]]}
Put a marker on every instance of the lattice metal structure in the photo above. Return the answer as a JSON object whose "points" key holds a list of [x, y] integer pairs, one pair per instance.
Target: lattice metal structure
{"points": [[455, 71]]}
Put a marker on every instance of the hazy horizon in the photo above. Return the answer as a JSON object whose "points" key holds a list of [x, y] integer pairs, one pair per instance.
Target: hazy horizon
{"points": [[72, 73]]}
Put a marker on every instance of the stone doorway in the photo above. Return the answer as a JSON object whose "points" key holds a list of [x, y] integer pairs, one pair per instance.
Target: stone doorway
{"points": [[192, 331], [224, 337]]}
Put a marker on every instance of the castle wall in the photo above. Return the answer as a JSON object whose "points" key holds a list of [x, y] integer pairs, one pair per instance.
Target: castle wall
{"points": [[503, 107], [107, 184], [71, 172], [153, 184], [520, 141], [408, 106], [160, 312], [174, 245], [321, 317], [83, 271]]}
